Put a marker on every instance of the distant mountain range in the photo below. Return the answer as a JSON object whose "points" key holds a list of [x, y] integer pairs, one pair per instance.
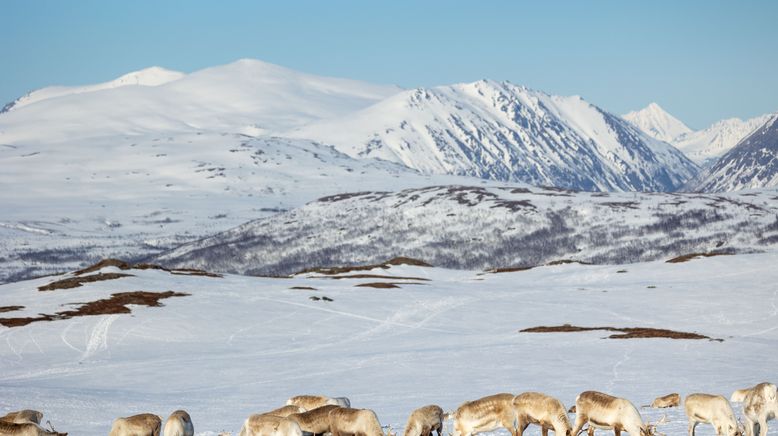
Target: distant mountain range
{"points": [[753, 163], [156, 158], [500, 131], [702, 146]]}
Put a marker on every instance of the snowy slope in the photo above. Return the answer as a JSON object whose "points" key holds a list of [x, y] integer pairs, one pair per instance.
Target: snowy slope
{"points": [[239, 345], [658, 123], [708, 145], [488, 227], [152, 76], [502, 131], [131, 196], [246, 96], [753, 163]]}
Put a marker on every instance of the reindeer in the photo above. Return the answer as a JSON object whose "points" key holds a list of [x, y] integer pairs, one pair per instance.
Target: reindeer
{"points": [[23, 416], [285, 411], [424, 420], [25, 429], [739, 395], [669, 400], [269, 425], [179, 423], [759, 406], [606, 412], [542, 410], [485, 414], [310, 402], [316, 421], [144, 424], [362, 422], [711, 409]]}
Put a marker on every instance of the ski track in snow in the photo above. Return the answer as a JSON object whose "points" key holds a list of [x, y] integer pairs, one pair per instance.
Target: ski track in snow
{"points": [[241, 345], [98, 339]]}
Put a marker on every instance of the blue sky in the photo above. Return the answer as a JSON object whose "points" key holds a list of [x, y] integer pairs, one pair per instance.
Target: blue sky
{"points": [[701, 60]]}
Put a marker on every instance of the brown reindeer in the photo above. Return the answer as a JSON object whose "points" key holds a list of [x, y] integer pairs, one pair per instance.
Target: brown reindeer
{"points": [[269, 425], [485, 414], [540, 409], [285, 411], [606, 412], [310, 402], [669, 400], [362, 422], [144, 424], [424, 420], [739, 395], [711, 409], [25, 429], [179, 423], [316, 421], [759, 406], [23, 416]]}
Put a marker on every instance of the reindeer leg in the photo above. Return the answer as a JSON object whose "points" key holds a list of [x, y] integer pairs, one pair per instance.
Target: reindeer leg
{"points": [[762, 426], [521, 426], [579, 423], [692, 426], [543, 430], [617, 431], [590, 430]]}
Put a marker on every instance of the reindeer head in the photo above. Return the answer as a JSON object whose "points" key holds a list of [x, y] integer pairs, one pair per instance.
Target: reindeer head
{"points": [[650, 429], [390, 431]]}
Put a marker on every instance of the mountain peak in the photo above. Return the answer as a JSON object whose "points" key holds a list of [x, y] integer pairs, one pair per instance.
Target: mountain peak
{"points": [[657, 122]]}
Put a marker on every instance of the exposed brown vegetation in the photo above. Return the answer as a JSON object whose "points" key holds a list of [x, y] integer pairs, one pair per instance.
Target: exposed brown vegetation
{"points": [[566, 261], [116, 303], [625, 332], [690, 256], [377, 276], [122, 265], [4, 309], [509, 269], [385, 265], [75, 282], [303, 288], [378, 285]]}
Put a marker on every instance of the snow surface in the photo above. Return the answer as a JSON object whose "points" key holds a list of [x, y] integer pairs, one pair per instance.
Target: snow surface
{"points": [[152, 76], [132, 196], [240, 345], [658, 123]]}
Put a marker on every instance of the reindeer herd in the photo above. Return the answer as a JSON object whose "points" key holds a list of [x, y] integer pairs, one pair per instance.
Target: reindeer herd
{"points": [[315, 415]]}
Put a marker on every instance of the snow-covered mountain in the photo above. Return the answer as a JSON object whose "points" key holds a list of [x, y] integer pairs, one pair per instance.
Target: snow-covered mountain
{"points": [[501, 131], [752, 163], [467, 227], [152, 76], [704, 146], [658, 123], [246, 96]]}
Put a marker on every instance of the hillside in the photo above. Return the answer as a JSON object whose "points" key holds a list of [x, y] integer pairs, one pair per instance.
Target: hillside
{"points": [[467, 227]]}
